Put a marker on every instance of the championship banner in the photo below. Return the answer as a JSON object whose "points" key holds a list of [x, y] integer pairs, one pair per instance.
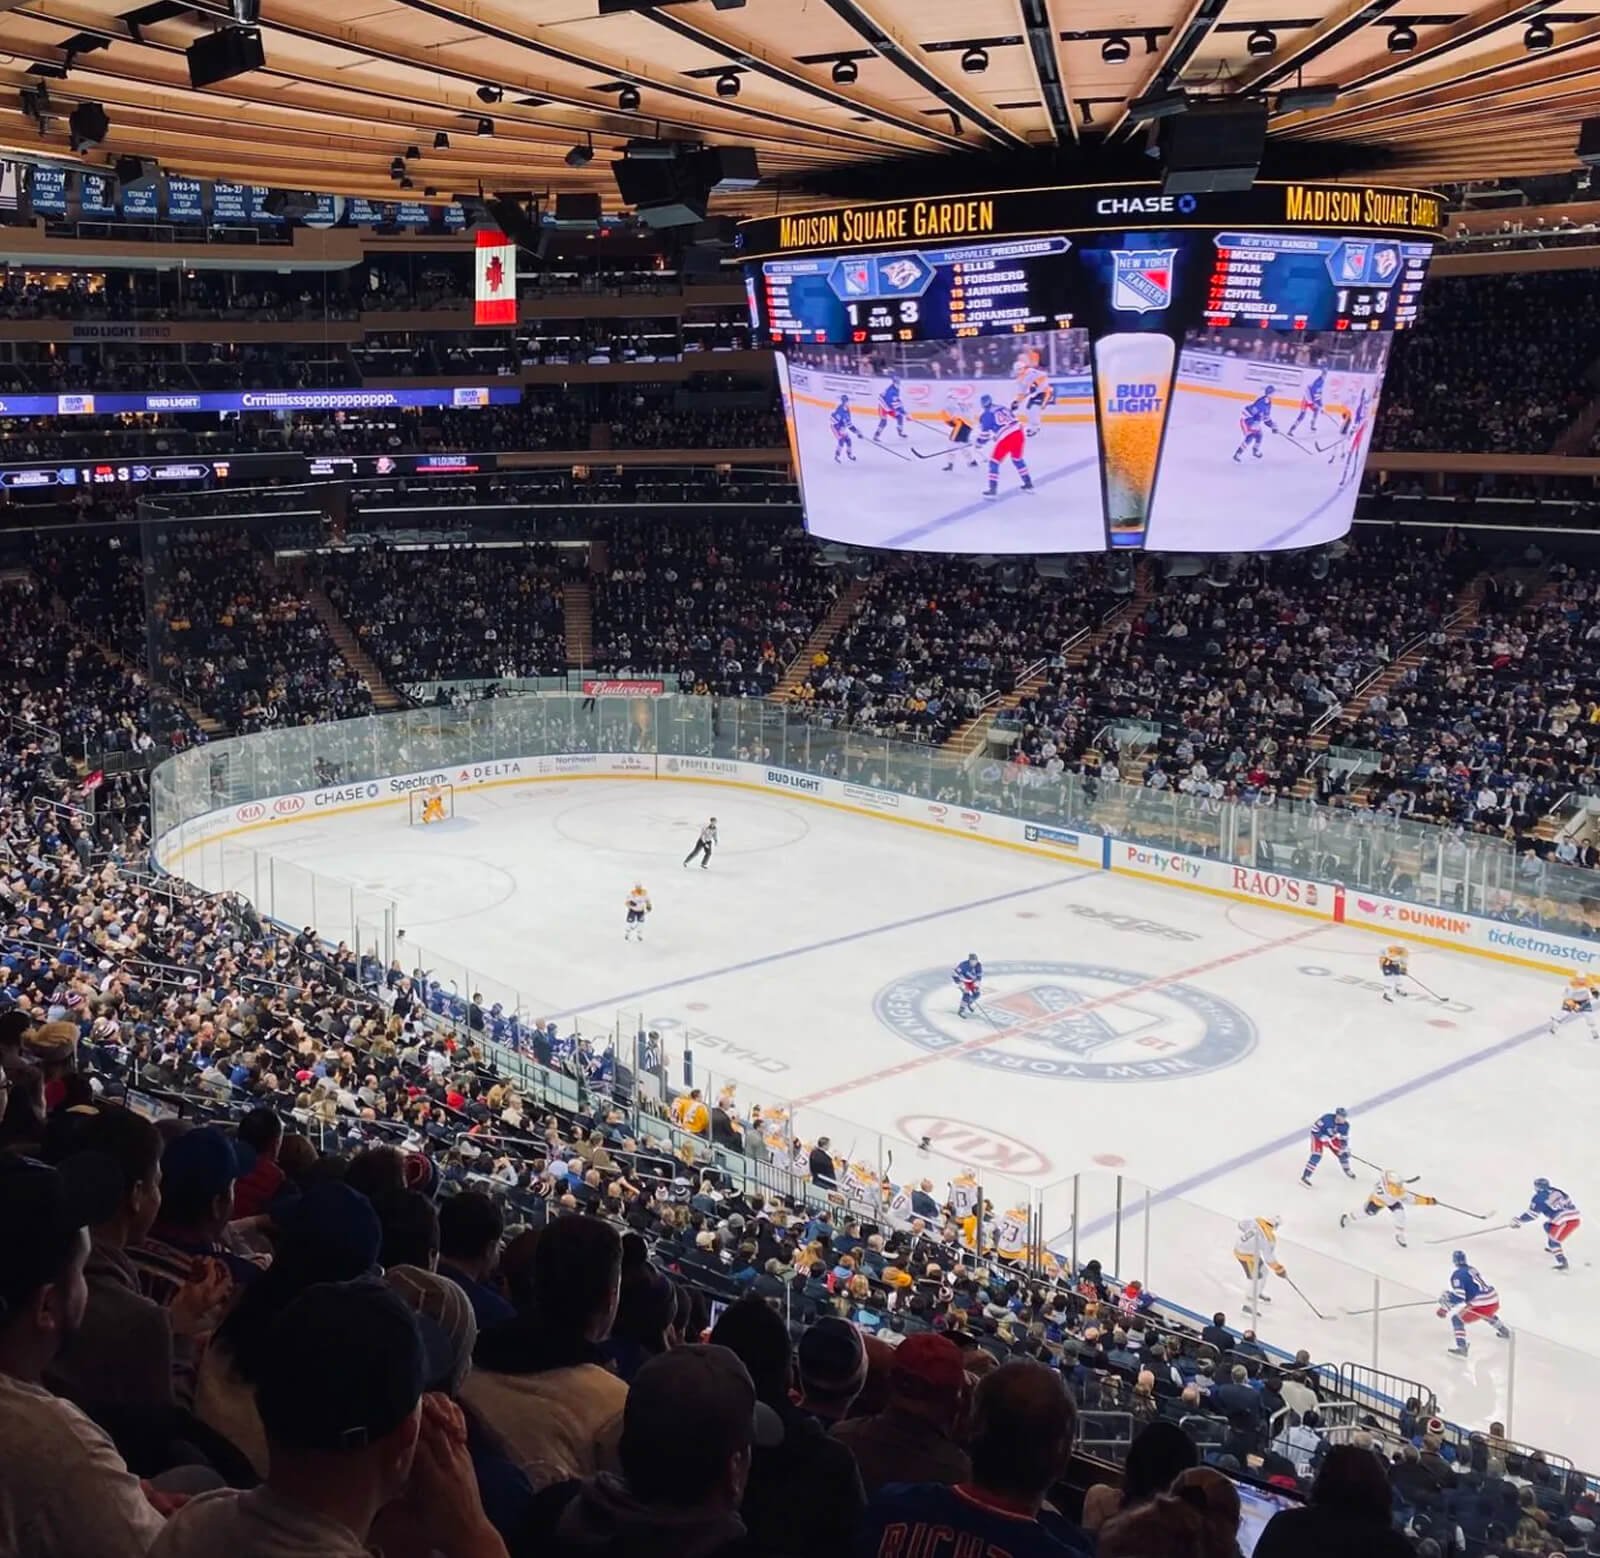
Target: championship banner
{"points": [[496, 294]]}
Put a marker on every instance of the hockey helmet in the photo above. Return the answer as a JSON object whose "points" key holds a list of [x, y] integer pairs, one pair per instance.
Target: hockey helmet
{"points": [[1541, 1184], [986, 400], [1458, 1257], [1341, 1113], [1269, 389]]}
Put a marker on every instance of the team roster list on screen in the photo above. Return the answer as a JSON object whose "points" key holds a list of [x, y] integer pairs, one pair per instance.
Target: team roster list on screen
{"points": [[1165, 387]]}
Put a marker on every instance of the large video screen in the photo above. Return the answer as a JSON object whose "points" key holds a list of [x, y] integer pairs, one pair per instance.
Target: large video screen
{"points": [[1265, 439], [948, 446], [1204, 380]]}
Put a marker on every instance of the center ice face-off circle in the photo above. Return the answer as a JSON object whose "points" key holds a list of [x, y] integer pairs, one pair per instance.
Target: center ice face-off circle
{"points": [[1081, 1022]]}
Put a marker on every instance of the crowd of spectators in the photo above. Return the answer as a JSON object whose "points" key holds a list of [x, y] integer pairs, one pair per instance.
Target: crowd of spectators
{"points": [[47, 367], [1496, 364], [442, 613], [723, 605], [1218, 677], [934, 639], [1494, 726]]}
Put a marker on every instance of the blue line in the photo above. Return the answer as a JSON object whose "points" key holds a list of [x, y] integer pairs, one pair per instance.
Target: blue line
{"points": [[1366, 1106], [832, 941], [917, 532]]}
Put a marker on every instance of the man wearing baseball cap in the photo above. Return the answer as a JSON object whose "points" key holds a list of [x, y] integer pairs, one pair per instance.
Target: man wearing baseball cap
{"points": [[348, 1431], [64, 1490], [913, 1438], [688, 1429]]}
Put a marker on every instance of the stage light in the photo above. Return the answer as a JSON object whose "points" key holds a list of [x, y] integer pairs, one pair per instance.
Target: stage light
{"points": [[1538, 37], [728, 84], [1402, 38], [628, 99], [1262, 41], [1115, 50], [975, 60], [845, 73]]}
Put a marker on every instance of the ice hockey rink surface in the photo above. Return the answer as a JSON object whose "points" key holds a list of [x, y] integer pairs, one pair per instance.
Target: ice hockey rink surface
{"points": [[1132, 1029]]}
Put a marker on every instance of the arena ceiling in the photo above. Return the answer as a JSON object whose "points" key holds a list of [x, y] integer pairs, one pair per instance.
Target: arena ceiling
{"points": [[823, 87]]}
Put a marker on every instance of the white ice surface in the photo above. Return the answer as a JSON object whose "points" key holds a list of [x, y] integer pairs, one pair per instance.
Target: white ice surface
{"points": [[779, 955]]}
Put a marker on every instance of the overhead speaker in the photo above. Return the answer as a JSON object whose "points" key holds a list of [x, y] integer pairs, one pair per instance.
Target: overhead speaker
{"points": [[1589, 142], [729, 167], [579, 209], [664, 194], [1212, 148], [512, 218], [216, 56], [137, 172]]}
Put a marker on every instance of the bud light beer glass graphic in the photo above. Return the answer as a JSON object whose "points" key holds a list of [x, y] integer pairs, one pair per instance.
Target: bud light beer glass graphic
{"points": [[1133, 386]]}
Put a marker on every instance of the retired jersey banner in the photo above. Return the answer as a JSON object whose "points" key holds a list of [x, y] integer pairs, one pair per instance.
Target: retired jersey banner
{"points": [[496, 295]]}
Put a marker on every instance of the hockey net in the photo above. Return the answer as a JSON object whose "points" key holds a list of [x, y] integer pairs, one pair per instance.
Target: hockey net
{"points": [[423, 807]]}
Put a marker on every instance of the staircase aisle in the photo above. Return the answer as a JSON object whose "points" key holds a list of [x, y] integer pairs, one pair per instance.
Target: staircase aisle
{"points": [[384, 697], [841, 612], [972, 736], [577, 612]]}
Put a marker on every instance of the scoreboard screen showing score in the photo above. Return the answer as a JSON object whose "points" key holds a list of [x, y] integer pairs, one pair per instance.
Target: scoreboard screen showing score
{"points": [[934, 294], [1090, 367]]}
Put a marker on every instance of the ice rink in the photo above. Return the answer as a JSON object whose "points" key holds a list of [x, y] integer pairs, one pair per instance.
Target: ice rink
{"points": [[1132, 1029]]}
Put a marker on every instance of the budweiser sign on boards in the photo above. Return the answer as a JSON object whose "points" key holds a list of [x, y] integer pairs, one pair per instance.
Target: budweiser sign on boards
{"points": [[623, 689]]}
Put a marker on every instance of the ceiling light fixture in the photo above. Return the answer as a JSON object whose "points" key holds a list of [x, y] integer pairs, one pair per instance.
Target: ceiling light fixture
{"points": [[728, 84], [1261, 42], [441, 141], [975, 60], [628, 99], [580, 156], [1538, 37], [490, 94], [1115, 50], [485, 127], [845, 73], [1402, 38]]}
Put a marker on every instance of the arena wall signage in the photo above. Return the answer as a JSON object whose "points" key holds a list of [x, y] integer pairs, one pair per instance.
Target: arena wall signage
{"points": [[1330, 901], [105, 403]]}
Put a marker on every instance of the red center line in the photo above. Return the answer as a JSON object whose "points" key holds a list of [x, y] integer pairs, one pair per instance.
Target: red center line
{"points": [[990, 1037]]}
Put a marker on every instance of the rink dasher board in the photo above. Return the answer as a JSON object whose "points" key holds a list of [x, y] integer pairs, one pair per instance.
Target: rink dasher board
{"points": [[1547, 951]]}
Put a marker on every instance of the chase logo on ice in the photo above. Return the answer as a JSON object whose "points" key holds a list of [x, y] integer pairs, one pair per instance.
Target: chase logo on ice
{"points": [[1141, 279], [1078, 1022]]}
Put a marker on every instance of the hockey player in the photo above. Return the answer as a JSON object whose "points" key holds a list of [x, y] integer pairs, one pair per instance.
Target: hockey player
{"points": [[433, 806], [1256, 1249], [891, 407], [1034, 391], [1469, 1298], [638, 906], [968, 975], [1578, 1000], [999, 429], [1394, 967], [703, 845], [1256, 416], [1329, 1133], [689, 1113], [1390, 1195], [843, 426], [959, 428], [1011, 1234], [1351, 434], [1560, 1214], [1311, 402], [962, 1195]]}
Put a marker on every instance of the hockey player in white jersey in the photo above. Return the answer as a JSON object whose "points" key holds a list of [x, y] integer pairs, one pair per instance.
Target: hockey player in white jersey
{"points": [[1256, 1249], [1391, 1195], [638, 906], [1578, 1002]]}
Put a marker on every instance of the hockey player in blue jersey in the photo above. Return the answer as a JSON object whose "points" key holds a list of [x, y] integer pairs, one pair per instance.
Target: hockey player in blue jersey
{"points": [[1559, 1213], [1311, 402], [1254, 417], [1469, 1298], [890, 406], [968, 975], [844, 429], [1005, 436], [1329, 1133]]}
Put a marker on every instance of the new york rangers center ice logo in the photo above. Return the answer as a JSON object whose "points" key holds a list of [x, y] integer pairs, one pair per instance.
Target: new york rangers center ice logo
{"points": [[1141, 279], [1080, 1022]]}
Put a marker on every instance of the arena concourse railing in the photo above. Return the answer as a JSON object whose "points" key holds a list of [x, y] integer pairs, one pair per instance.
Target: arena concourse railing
{"points": [[215, 809]]}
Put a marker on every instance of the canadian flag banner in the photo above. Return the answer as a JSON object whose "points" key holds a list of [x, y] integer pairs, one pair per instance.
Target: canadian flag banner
{"points": [[497, 280]]}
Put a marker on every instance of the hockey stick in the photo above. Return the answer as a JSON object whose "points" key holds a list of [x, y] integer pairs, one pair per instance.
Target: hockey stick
{"points": [[1481, 1216], [1290, 438], [1306, 1301], [1471, 1233], [1368, 1163], [1383, 1309], [873, 443], [1428, 988]]}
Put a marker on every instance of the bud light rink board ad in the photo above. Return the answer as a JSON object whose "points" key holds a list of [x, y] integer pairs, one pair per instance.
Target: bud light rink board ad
{"points": [[1197, 388]]}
